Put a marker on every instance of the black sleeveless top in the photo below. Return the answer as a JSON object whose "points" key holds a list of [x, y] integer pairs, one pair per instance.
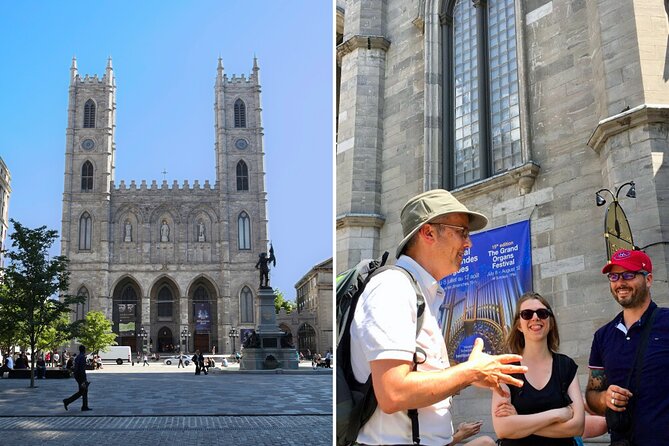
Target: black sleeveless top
{"points": [[528, 400]]}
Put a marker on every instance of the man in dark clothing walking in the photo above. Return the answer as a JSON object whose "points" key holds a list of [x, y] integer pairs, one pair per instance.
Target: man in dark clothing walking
{"points": [[196, 361], [80, 376]]}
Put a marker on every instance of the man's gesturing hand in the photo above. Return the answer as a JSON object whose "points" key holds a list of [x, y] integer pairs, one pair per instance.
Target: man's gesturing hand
{"points": [[492, 370]]}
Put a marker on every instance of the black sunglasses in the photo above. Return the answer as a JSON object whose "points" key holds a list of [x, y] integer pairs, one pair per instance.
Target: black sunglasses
{"points": [[626, 275], [542, 313]]}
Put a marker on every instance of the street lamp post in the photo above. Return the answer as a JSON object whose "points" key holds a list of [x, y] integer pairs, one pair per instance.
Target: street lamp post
{"points": [[617, 231], [233, 333], [143, 335], [185, 334]]}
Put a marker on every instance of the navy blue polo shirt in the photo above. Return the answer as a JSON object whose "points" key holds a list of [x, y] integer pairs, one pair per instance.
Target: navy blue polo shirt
{"points": [[614, 349]]}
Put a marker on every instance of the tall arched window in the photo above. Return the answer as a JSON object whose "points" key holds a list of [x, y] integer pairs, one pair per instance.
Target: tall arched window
{"points": [[85, 231], [242, 176], [165, 303], [240, 114], [82, 308], [87, 176], [246, 306], [244, 231], [482, 108], [89, 114]]}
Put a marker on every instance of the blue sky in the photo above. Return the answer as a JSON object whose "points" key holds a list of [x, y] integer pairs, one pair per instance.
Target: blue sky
{"points": [[165, 56]]}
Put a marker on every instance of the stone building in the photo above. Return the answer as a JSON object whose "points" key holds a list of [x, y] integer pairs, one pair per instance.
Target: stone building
{"points": [[166, 263], [312, 322], [523, 109], [5, 192]]}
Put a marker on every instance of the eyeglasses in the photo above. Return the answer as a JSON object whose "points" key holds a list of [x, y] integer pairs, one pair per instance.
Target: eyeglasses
{"points": [[626, 275], [464, 232], [542, 313]]}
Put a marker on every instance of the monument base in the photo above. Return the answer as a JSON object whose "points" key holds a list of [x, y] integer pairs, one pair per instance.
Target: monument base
{"points": [[266, 351], [269, 359]]}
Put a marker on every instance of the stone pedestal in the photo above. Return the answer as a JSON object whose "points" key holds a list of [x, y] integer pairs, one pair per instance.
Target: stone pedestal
{"points": [[269, 354]]}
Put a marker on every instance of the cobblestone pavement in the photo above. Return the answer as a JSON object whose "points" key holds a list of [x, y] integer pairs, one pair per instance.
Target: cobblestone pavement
{"points": [[146, 405]]}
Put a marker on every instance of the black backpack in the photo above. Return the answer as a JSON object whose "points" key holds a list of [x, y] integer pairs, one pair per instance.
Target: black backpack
{"points": [[356, 401]]}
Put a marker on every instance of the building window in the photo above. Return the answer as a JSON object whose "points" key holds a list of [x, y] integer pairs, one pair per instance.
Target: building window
{"points": [[246, 306], [240, 114], [242, 176], [87, 177], [165, 303], [244, 231], [82, 308], [89, 114], [482, 119], [85, 230]]}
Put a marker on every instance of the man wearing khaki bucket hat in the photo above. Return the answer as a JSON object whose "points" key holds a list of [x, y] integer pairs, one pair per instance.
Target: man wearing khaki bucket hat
{"points": [[384, 335]]}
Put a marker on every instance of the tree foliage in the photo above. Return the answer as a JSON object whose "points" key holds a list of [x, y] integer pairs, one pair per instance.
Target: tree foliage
{"points": [[34, 280], [280, 302], [96, 332]]}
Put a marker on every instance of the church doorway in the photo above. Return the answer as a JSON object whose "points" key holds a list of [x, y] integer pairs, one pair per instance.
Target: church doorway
{"points": [[201, 342], [126, 313], [165, 340]]}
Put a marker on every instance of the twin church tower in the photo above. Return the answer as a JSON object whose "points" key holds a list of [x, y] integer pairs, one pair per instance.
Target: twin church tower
{"points": [[171, 265]]}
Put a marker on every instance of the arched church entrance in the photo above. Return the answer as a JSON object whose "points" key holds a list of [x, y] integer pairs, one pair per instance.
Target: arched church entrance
{"points": [[306, 339], [126, 313], [204, 315], [166, 341]]}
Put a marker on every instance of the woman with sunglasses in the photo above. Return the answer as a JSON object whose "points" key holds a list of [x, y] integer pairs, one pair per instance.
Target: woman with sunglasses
{"points": [[548, 409]]}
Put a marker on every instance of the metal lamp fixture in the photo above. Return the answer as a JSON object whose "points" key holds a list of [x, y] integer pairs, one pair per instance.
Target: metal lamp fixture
{"points": [[617, 232], [185, 334], [233, 333]]}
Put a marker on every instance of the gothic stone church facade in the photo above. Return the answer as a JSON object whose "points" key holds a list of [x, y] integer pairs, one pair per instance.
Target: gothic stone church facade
{"points": [[164, 259]]}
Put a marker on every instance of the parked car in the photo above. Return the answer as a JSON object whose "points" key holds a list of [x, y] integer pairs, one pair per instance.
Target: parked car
{"points": [[175, 360]]}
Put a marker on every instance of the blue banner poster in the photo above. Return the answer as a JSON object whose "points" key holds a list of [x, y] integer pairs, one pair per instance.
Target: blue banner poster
{"points": [[481, 297], [202, 316]]}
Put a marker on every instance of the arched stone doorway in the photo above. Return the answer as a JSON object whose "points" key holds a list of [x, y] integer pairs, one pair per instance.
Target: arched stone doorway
{"points": [[204, 315], [166, 341], [306, 339], [164, 315], [127, 313]]}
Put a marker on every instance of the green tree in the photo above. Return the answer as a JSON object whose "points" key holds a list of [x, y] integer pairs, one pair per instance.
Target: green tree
{"points": [[96, 332], [34, 280], [10, 324], [55, 334], [280, 302]]}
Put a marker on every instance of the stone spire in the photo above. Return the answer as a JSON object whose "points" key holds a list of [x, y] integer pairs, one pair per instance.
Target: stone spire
{"points": [[109, 72], [219, 69], [73, 69]]}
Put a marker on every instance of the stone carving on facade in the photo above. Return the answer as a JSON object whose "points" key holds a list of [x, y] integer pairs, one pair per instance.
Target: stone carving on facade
{"points": [[164, 232], [201, 232], [128, 232]]}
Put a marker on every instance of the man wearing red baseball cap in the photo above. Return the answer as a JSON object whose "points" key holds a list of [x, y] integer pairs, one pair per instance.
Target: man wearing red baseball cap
{"points": [[613, 386]]}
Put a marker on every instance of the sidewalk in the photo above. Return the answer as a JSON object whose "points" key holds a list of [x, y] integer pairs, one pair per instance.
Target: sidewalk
{"points": [[173, 405]]}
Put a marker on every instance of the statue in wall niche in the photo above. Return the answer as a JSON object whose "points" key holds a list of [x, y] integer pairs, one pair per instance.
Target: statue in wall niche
{"points": [[263, 266], [200, 232], [164, 232], [128, 232]]}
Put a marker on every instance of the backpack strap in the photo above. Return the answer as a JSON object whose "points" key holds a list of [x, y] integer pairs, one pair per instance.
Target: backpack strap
{"points": [[420, 310]]}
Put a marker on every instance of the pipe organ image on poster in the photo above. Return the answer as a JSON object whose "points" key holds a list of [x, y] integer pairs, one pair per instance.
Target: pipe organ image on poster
{"points": [[480, 299]]}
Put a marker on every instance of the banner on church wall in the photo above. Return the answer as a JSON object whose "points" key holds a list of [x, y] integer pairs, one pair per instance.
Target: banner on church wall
{"points": [[202, 316], [480, 299], [126, 318]]}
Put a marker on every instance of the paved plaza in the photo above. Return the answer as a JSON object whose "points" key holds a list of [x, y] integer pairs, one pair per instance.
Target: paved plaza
{"points": [[146, 405]]}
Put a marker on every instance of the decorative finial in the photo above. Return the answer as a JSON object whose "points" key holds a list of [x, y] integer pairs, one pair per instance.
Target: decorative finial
{"points": [[220, 63], [109, 63], [74, 63], [255, 63]]}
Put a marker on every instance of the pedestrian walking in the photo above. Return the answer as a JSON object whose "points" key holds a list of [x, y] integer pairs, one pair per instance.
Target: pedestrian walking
{"points": [[82, 382], [181, 361], [146, 360], [196, 361]]}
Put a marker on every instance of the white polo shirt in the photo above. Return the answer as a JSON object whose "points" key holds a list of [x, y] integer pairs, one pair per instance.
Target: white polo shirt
{"points": [[384, 327]]}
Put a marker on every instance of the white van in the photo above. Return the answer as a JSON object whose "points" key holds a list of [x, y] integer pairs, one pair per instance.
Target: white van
{"points": [[116, 353]]}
